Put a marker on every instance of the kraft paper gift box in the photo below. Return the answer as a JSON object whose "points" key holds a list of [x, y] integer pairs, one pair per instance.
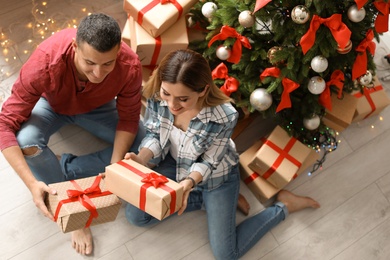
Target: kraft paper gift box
{"points": [[157, 16], [282, 158], [371, 102], [151, 50], [146, 189], [126, 33], [342, 113], [82, 203]]}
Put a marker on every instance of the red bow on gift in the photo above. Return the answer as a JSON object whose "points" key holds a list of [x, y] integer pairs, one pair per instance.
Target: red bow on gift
{"points": [[288, 85], [359, 67], [360, 3], [382, 20], [337, 79], [231, 84], [260, 4], [229, 32], [339, 30], [155, 179]]}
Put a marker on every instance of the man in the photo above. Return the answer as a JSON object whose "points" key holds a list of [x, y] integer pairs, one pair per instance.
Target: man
{"points": [[86, 77]]}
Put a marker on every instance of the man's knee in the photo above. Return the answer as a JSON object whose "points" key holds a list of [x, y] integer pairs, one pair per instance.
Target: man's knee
{"points": [[31, 150]]}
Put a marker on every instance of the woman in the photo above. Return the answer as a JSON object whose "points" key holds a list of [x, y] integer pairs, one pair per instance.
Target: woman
{"points": [[189, 122]]}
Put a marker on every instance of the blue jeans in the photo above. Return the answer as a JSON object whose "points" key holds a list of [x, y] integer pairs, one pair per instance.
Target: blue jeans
{"points": [[44, 122], [227, 240]]}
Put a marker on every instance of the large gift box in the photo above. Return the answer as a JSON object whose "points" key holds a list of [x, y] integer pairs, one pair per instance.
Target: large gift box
{"points": [[281, 158], [371, 102], [156, 16], [151, 50], [82, 203], [342, 113], [146, 189]]}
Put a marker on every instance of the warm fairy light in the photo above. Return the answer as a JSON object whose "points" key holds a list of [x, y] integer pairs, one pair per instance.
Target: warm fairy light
{"points": [[372, 126], [44, 3], [84, 9], [25, 51], [6, 59], [381, 118], [5, 51]]}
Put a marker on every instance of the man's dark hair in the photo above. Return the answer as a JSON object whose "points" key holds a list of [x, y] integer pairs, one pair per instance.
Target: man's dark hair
{"points": [[100, 31]]}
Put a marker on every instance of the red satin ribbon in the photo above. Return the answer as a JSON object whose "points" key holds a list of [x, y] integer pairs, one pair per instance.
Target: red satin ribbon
{"points": [[156, 52], [359, 67], [382, 20], [153, 3], [229, 32], [367, 93], [283, 154], [84, 196], [231, 84], [144, 187], [360, 3], [288, 87], [337, 79], [260, 4], [339, 30]]}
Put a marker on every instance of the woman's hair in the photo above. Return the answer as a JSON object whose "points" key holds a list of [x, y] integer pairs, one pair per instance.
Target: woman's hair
{"points": [[192, 70], [100, 31]]}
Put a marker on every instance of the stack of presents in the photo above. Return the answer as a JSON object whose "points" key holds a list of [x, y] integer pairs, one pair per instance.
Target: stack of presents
{"points": [[152, 30]]}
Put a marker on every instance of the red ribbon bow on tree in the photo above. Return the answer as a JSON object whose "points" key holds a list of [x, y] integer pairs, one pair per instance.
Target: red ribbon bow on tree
{"points": [[229, 32], [360, 3], [337, 79], [231, 84], [382, 20], [155, 179], [359, 67], [260, 4], [339, 30], [288, 85]]}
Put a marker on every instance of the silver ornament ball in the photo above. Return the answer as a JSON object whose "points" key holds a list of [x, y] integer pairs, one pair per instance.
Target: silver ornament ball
{"points": [[223, 52], [260, 99], [208, 9], [356, 15], [246, 19], [366, 79], [312, 123], [300, 14], [316, 85], [319, 63]]}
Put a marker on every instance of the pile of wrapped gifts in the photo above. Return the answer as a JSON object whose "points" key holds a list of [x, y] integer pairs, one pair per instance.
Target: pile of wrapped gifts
{"points": [[273, 162]]}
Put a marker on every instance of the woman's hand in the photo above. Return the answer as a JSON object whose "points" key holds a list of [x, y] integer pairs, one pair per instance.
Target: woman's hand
{"points": [[187, 187], [135, 157]]}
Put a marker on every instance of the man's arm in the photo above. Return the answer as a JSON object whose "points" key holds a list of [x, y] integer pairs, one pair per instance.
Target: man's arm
{"points": [[122, 143]]}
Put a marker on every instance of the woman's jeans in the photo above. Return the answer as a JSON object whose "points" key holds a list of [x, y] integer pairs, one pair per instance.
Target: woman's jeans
{"points": [[44, 122], [227, 240]]}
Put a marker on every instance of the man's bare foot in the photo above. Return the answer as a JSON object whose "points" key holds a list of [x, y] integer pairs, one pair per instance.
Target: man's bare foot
{"points": [[82, 241], [243, 205], [294, 202]]}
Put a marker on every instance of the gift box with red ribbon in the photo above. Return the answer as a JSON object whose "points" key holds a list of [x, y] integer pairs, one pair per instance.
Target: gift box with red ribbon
{"points": [[146, 189], [151, 50], [282, 158], [371, 102], [342, 113], [156, 16], [82, 203]]}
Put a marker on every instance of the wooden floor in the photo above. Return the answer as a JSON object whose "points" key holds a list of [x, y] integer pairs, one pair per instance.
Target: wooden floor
{"points": [[353, 187]]}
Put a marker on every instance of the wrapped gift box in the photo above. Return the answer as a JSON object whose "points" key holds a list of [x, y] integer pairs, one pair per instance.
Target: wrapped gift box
{"points": [[144, 188], [281, 158], [82, 203], [151, 50], [156, 17], [371, 102], [343, 111]]}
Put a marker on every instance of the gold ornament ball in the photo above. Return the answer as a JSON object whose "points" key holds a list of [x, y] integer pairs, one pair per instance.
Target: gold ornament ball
{"points": [[271, 54], [246, 19], [347, 48], [300, 14]]}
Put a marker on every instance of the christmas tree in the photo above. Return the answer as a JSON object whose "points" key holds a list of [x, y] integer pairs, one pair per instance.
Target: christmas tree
{"points": [[284, 59]]}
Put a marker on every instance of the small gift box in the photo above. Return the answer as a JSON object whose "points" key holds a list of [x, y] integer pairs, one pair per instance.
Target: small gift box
{"points": [[151, 50], [126, 33], [343, 111], [282, 158], [144, 188], [157, 16], [82, 203], [371, 102]]}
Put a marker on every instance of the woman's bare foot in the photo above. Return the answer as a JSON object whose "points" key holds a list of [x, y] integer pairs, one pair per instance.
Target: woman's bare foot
{"points": [[294, 202], [243, 205], [82, 241]]}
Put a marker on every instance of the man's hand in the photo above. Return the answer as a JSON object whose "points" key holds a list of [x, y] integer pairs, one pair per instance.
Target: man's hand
{"points": [[38, 191]]}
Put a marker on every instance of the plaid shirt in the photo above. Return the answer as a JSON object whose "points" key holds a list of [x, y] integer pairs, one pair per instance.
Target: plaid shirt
{"points": [[212, 152]]}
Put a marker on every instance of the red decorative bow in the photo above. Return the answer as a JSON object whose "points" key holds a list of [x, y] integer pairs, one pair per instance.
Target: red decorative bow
{"points": [[153, 3], [260, 4], [360, 3], [231, 84], [229, 32], [337, 79], [339, 30], [155, 179], [288, 85], [360, 65], [382, 20]]}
